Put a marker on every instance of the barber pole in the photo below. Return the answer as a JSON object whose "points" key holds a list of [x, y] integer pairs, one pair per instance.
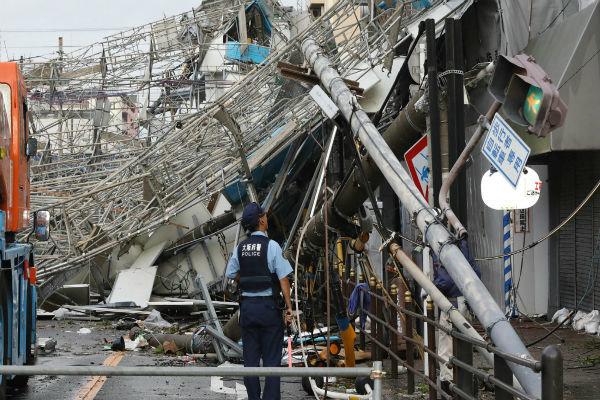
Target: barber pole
{"points": [[508, 301]]}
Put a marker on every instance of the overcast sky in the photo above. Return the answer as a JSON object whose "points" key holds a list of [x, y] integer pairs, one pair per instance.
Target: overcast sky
{"points": [[32, 27]]}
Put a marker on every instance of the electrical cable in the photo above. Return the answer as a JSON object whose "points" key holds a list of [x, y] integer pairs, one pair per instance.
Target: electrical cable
{"points": [[328, 361], [557, 15], [552, 232], [304, 358], [552, 331], [589, 286], [521, 267], [579, 69], [592, 282], [515, 288], [380, 226]]}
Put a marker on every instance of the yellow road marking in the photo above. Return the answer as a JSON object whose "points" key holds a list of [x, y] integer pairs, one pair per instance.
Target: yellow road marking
{"points": [[94, 385]]}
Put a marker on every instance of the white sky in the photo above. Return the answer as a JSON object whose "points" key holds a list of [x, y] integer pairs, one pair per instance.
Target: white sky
{"points": [[32, 27]]}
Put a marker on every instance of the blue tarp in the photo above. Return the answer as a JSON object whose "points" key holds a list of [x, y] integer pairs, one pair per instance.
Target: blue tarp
{"points": [[419, 5], [253, 53]]}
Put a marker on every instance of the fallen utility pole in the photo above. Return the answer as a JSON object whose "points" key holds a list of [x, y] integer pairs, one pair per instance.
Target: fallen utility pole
{"points": [[434, 231], [438, 298], [402, 133]]}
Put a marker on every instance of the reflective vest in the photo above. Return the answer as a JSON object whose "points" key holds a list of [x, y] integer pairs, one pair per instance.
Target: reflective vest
{"points": [[254, 269]]}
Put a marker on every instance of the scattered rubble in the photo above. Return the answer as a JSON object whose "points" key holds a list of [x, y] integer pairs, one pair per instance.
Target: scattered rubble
{"points": [[46, 345]]}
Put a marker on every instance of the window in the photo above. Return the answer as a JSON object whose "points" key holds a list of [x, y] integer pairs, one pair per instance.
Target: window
{"points": [[316, 10], [5, 91]]}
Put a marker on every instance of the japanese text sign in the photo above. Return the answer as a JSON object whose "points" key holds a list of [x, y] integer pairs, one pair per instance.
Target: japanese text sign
{"points": [[505, 150]]}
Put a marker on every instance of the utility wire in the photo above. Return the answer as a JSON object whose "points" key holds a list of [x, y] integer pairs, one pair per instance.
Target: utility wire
{"points": [[590, 285], [552, 232], [557, 15], [552, 331]]}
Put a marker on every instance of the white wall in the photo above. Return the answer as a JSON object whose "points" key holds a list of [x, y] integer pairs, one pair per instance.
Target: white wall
{"points": [[532, 297]]}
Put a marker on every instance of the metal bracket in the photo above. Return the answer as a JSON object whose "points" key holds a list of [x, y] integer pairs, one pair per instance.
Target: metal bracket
{"points": [[483, 122], [488, 330], [427, 229], [415, 215], [450, 240]]}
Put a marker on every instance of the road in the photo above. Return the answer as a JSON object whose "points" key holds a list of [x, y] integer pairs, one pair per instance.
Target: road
{"points": [[74, 348]]}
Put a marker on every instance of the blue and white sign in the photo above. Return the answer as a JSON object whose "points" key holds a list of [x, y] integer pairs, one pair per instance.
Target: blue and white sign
{"points": [[505, 150]]}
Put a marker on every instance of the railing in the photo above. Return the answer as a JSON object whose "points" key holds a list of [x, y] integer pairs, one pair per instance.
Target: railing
{"points": [[550, 365], [374, 373]]}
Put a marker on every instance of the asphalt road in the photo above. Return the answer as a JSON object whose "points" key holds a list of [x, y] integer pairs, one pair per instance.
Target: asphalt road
{"points": [[74, 348]]}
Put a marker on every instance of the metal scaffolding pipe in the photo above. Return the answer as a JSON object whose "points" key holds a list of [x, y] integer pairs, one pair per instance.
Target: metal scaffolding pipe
{"points": [[434, 231], [207, 228], [180, 371], [439, 299], [402, 133]]}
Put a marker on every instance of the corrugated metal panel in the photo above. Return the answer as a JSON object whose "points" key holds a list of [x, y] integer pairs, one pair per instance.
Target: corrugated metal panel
{"points": [[567, 237], [578, 238]]}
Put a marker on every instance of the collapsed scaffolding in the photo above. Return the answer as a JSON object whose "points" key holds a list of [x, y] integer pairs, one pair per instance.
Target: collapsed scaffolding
{"points": [[107, 177], [137, 129]]}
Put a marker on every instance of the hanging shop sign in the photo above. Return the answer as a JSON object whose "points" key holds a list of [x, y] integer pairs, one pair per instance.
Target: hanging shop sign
{"points": [[499, 194], [521, 220]]}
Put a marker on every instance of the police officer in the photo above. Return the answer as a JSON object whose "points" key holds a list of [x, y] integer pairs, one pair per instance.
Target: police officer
{"points": [[258, 264]]}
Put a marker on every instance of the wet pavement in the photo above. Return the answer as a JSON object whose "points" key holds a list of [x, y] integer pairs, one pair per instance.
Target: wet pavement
{"points": [[581, 353], [88, 349]]}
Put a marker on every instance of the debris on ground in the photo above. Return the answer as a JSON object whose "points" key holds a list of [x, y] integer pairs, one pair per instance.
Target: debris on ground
{"points": [[138, 343], [46, 345], [155, 320], [169, 347], [118, 344], [140, 273]]}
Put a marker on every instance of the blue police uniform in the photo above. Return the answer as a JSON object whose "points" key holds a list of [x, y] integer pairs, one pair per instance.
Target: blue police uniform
{"points": [[261, 265]]}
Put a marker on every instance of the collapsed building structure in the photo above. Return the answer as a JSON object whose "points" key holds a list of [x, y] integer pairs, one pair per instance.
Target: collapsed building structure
{"points": [[151, 142]]}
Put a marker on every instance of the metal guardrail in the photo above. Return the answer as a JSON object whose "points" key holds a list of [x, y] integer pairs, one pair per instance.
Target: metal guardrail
{"points": [[375, 373], [188, 371], [550, 365]]}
